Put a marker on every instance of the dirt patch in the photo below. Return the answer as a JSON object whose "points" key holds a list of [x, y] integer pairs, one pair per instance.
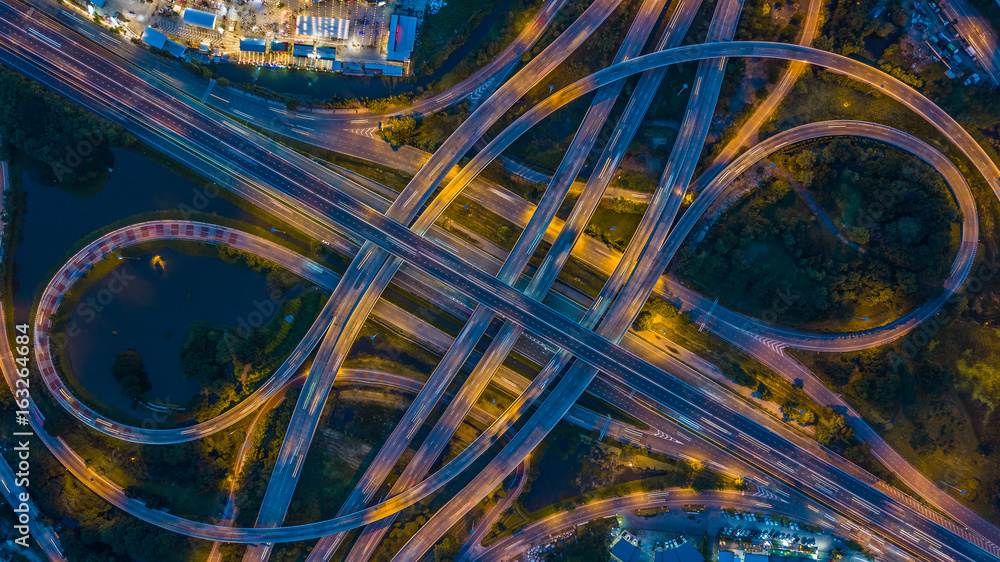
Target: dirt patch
{"points": [[350, 451], [383, 398]]}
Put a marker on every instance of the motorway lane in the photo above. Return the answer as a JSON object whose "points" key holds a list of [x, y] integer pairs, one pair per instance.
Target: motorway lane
{"points": [[676, 174], [748, 131], [364, 288], [569, 168], [510, 547], [978, 33], [595, 187], [43, 535], [696, 122], [577, 378], [127, 236], [819, 342], [461, 141], [785, 337], [611, 156], [325, 119], [859, 71], [750, 339], [229, 511]]}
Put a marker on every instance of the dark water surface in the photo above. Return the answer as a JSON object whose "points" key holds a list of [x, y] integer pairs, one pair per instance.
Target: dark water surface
{"points": [[152, 315]]}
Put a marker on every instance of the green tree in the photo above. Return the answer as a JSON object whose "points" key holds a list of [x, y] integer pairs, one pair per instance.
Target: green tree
{"points": [[399, 130], [446, 550], [644, 321], [130, 373]]}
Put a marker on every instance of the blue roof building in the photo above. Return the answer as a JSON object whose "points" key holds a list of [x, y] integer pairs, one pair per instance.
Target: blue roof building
{"points": [[374, 69], [683, 553], [326, 53], [300, 50], [402, 36], [624, 551], [156, 38], [199, 18], [253, 45]]}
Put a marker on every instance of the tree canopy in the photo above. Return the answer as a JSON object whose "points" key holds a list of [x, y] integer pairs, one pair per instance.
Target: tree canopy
{"points": [[130, 373]]}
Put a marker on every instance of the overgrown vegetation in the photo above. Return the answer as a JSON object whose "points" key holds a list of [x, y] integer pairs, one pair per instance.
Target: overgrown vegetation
{"points": [[268, 436], [129, 372], [71, 142], [769, 247]]}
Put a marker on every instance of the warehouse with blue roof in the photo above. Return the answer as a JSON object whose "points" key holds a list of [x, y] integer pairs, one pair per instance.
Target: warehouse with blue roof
{"points": [[252, 45], [199, 18], [157, 39]]}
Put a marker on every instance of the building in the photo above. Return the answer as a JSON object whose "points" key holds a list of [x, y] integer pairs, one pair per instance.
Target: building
{"points": [[726, 556], [332, 28], [754, 557], [199, 18], [157, 39], [402, 36], [373, 69], [326, 53], [683, 553], [278, 46], [300, 50], [624, 551], [251, 45]]}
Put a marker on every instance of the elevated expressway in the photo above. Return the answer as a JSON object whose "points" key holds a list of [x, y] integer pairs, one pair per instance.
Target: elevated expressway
{"points": [[364, 282], [469, 288], [483, 371], [201, 232], [509, 547]]}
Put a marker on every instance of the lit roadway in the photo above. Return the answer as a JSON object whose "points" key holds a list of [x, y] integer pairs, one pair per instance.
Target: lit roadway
{"points": [[748, 131], [308, 120], [483, 371], [633, 301], [365, 279], [41, 533], [961, 266], [977, 31], [558, 329], [404, 494], [114, 241], [509, 547], [907, 95]]}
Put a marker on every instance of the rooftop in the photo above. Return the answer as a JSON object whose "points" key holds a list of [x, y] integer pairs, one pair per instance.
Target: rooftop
{"points": [[624, 551], [402, 36], [323, 27], [199, 18]]}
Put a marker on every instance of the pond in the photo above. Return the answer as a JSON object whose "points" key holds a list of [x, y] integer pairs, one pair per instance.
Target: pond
{"points": [[56, 220], [151, 315]]}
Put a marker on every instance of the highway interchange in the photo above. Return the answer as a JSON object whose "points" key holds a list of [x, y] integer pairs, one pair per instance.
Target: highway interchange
{"points": [[326, 206]]}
